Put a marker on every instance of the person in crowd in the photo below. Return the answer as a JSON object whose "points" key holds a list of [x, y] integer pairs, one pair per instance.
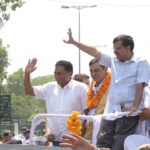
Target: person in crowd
{"points": [[37, 140], [142, 141], [61, 96], [26, 140], [130, 75], [21, 137], [82, 78], [76, 142], [1, 139], [44, 140], [7, 136], [97, 92]]}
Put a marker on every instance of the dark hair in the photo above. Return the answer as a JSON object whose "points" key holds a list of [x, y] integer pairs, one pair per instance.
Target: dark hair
{"points": [[66, 64], [126, 40], [26, 131], [24, 128], [79, 77], [6, 134], [14, 142], [93, 61]]}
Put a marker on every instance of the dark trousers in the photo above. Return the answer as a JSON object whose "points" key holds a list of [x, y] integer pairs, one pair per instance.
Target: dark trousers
{"points": [[113, 133], [56, 143]]}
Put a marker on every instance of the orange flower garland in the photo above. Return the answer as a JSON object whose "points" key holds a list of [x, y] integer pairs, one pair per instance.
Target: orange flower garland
{"points": [[74, 123], [93, 101]]}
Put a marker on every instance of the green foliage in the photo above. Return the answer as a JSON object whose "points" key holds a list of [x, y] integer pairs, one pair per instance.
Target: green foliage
{"points": [[15, 83], [42, 80], [24, 107], [9, 5], [4, 62]]}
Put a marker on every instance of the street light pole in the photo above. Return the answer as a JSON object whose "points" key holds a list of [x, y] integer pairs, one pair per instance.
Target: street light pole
{"points": [[79, 7], [79, 41], [1, 23]]}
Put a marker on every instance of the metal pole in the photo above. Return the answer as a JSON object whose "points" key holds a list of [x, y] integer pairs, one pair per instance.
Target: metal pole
{"points": [[79, 41], [1, 23], [79, 8]]}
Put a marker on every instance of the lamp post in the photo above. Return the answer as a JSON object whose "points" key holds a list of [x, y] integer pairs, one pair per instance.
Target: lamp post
{"points": [[1, 23], [79, 7]]}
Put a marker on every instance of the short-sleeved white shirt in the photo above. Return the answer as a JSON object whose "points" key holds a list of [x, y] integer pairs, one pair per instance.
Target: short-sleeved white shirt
{"points": [[73, 97], [125, 75]]}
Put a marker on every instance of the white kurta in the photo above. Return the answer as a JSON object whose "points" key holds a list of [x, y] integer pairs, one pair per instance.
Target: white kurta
{"points": [[62, 101], [132, 142]]}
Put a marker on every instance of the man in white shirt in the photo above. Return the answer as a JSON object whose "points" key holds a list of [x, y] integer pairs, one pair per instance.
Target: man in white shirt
{"points": [[133, 142], [142, 134], [21, 137], [130, 75], [61, 97]]}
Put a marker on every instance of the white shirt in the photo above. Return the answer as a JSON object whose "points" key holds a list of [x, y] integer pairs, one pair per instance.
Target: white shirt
{"points": [[39, 140], [133, 142], [20, 137], [73, 97], [125, 75], [25, 141]]}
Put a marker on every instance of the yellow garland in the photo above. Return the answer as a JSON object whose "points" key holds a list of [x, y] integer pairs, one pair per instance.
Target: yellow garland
{"points": [[74, 123], [92, 100]]}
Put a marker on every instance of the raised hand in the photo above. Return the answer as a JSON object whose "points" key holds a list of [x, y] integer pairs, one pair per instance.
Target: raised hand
{"points": [[70, 40], [76, 142], [31, 66]]}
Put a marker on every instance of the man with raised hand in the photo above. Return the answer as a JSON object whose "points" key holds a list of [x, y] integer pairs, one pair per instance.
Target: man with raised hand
{"points": [[130, 75], [61, 96]]}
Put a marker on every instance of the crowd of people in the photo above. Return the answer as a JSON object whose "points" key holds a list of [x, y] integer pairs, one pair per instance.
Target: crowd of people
{"points": [[23, 138], [123, 88]]}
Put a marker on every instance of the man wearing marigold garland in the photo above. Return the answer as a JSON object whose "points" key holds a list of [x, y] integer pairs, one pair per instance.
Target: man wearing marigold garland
{"points": [[97, 92], [130, 76]]}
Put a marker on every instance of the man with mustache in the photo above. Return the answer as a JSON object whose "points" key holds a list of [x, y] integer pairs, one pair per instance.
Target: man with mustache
{"points": [[130, 75]]}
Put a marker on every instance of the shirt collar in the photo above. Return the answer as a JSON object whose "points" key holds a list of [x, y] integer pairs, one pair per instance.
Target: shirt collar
{"points": [[133, 58], [68, 85]]}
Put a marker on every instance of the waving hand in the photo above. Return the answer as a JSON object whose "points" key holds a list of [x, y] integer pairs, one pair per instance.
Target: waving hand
{"points": [[70, 40], [31, 66]]}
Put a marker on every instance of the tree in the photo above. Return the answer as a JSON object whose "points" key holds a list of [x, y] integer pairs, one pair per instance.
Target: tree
{"points": [[9, 5], [15, 83], [23, 107], [4, 62], [43, 79]]}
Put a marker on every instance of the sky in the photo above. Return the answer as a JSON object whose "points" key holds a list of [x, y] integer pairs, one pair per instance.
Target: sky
{"points": [[37, 29]]}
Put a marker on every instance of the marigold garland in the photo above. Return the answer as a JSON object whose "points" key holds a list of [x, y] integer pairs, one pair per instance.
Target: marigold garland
{"points": [[93, 101], [74, 123]]}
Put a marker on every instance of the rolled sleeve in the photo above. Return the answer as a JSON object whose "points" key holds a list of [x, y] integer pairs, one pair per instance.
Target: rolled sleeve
{"points": [[105, 60]]}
